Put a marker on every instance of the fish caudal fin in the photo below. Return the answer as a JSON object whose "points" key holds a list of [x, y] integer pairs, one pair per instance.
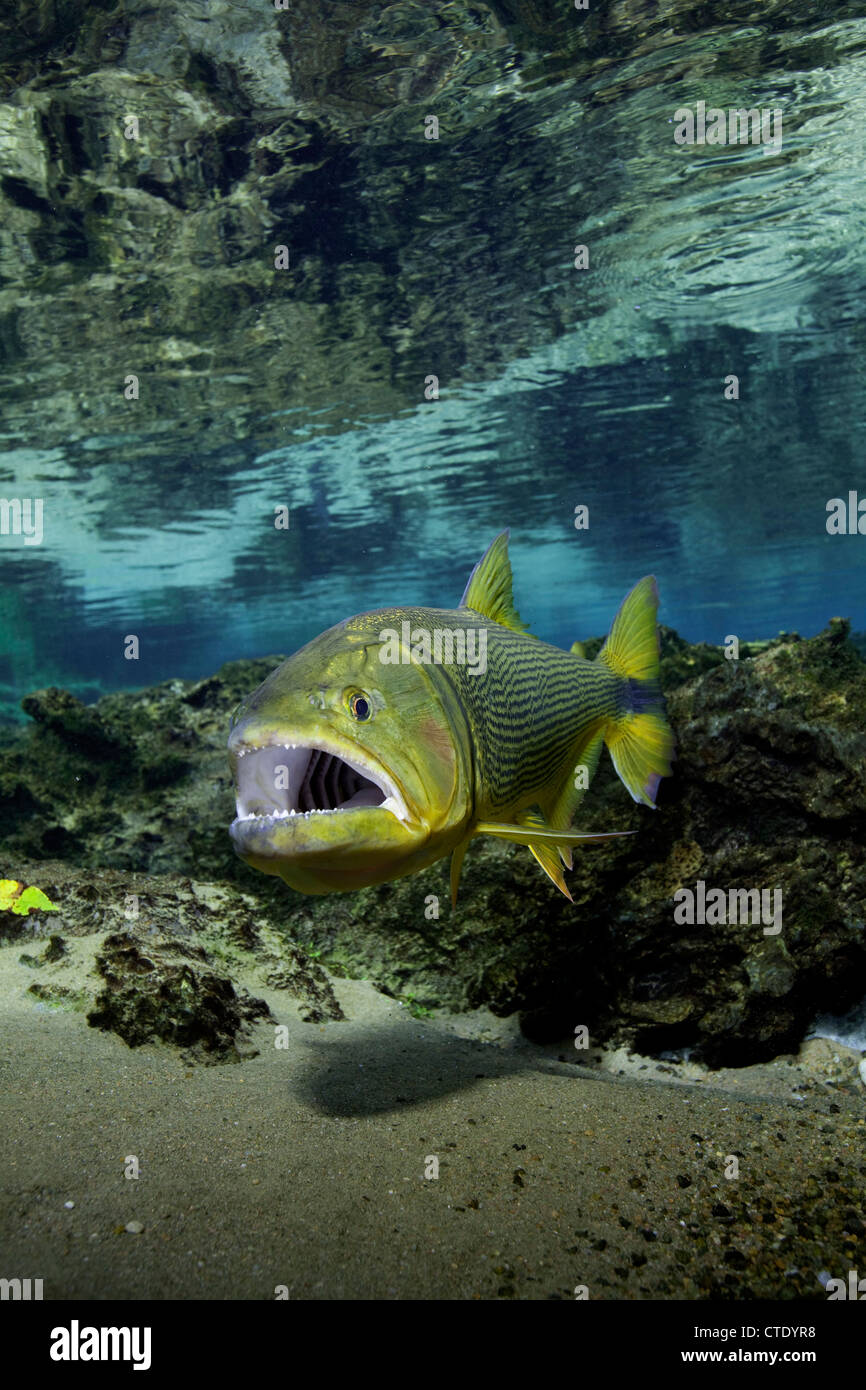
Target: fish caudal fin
{"points": [[639, 739]]}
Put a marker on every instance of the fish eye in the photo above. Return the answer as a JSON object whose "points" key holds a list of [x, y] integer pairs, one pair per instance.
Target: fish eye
{"points": [[360, 706]]}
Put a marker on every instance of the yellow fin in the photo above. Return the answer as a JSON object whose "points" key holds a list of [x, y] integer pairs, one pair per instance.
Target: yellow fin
{"points": [[642, 749], [456, 866], [640, 739], [533, 831], [547, 855], [632, 646], [570, 796], [489, 590], [528, 835], [577, 649]]}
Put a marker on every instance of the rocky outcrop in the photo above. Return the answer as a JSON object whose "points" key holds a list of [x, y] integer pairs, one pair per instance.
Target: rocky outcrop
{"points": [[168, 991], [161, 958], [768, 793]]}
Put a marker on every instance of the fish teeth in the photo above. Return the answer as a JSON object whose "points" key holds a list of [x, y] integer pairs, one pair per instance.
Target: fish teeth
{"points": [[285, 815], [287, 748], [389, 804]]}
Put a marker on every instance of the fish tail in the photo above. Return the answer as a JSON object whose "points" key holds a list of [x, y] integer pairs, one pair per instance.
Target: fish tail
{"points": [[639, 737]]}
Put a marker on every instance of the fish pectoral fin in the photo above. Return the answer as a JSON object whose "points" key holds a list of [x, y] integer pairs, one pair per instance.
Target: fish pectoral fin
{"points": [[526, 835], [546, 844]]}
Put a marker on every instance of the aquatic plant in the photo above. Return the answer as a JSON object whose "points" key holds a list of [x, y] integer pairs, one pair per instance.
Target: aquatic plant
{"points": [[14, 897]]}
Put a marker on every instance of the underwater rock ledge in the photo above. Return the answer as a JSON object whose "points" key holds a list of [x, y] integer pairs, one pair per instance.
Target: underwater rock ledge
{"points": [[768, 792], [160, 959]]}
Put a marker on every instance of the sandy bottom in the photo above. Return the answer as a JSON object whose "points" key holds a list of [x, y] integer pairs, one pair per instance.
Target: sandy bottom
{"points": [[305, 1167]]}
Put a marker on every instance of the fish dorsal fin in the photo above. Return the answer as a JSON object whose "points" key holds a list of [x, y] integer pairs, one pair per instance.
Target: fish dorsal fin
{"points": [[489, 590]]}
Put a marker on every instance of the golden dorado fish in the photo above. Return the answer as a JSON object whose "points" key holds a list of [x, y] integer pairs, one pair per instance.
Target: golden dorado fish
{"points": [[392, 739]]}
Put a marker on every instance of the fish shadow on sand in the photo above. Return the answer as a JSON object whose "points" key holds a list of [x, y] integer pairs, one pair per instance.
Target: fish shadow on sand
{"points": [[381, 1069]]}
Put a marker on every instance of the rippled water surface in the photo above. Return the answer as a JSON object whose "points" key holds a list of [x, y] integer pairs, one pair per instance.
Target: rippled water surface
{"points": [[411, 258]]}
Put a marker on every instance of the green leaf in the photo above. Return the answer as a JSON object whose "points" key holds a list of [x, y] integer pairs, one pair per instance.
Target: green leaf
{"points": [[33, 899], [9, 890]]}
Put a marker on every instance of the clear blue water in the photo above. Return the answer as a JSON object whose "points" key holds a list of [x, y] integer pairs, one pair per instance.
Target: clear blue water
{"points": [[724, 501]]}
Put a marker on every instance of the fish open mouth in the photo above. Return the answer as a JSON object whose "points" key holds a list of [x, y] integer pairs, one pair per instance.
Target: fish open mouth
{"points": [[280, 780]]}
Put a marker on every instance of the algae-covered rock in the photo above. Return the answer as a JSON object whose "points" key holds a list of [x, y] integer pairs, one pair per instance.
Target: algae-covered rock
{"points": [[768, 793], [75, 723], [52, 953], [171, 951], [169, 991], [120, 783]]}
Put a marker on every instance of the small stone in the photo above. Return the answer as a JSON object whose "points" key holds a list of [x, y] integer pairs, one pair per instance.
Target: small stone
{"points": [[134, 1228], [69, 1205]]}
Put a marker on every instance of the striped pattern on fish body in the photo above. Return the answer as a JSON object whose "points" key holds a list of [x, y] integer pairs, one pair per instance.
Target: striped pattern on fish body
{"points": [[529, 713], [400, 750]]}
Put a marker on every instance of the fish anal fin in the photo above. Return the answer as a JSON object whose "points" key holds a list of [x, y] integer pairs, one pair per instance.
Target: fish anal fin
{"points": [[548, 856], [549, 861], [490, 587], [571, 793], [532, 830]]}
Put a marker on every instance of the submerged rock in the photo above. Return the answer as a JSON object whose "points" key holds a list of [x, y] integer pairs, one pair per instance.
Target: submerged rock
{"points": [[169, 991], [119, 784], [170, 952], [768, 793]]}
